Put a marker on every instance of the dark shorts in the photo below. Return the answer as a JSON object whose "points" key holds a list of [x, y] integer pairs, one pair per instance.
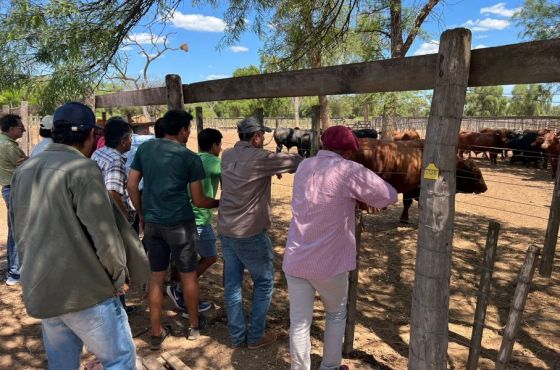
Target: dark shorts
{"points": [[177, 242]]}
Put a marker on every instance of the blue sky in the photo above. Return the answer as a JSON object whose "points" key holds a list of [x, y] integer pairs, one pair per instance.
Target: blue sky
{"points": [[202, 29]]}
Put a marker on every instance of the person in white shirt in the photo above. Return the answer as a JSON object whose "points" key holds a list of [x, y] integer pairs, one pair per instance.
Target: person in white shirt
{"points": [[45, 133]]}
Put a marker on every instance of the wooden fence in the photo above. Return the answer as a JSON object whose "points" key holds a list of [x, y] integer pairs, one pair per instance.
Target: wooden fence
{"points": [[448, 73], [402, 123]]}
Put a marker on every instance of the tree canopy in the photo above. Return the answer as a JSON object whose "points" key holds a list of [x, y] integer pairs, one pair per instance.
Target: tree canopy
{"points": [[540, 19]]}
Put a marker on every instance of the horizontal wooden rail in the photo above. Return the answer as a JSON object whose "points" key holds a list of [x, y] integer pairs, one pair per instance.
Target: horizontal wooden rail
{"points": [[530, 62]]}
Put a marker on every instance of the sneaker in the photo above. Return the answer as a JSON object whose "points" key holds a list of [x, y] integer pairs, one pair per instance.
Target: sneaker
{"points": [[130, 310], [194, 333], [157, 340], [12, 280], [268, 338], [175, 297], [203, 306]]}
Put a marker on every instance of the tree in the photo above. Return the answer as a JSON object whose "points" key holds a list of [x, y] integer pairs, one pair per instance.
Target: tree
{"points": [[540, 19], [64, 46], [151, 49], [530, 100], [486, 102]]}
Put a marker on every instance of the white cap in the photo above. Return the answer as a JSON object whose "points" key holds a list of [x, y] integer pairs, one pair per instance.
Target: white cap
{"points": [[47, 122]]}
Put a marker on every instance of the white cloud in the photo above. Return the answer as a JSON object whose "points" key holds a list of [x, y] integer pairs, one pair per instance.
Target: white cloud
{"points": [[480, 46], [431, 47], [238, 49], [127, 48], [198, 22], [499, 9], [216, 77], [486, 24], [146, 38], [480, 37]]}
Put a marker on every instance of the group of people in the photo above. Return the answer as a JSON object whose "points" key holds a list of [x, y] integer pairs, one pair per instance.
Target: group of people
{"points": [[76, 223]]}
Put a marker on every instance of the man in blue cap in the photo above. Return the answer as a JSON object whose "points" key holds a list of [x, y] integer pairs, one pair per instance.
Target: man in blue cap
{"points": [[73, 261]]}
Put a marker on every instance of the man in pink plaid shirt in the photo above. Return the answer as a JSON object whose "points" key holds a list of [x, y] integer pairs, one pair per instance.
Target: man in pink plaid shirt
{"points": [[321, 245]]}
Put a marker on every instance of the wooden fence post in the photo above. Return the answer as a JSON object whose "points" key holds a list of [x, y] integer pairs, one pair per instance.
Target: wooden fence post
{"points": [[353, 291], [551, 236], [259, 114], [6, 109], [199, 121], [174, 92], [430, 297], [517, 306], [315, 127], [24, 114], [487, 269]]}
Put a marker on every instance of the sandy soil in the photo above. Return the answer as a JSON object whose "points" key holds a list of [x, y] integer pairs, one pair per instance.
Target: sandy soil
{"points": [[518, 198]]}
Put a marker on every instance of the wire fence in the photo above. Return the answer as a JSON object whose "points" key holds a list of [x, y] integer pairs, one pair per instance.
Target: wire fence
{"points": [[401, 123], [534, 346]]}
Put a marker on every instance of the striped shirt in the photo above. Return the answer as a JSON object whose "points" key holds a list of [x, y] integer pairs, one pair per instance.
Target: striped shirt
{"points": [[112, 165], [321, 238]]}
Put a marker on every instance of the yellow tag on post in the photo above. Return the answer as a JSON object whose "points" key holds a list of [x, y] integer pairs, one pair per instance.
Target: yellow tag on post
{"points": [[431, 172]]}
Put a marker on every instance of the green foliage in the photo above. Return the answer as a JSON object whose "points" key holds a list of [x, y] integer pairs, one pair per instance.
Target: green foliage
{"points": [[540, 19], [530, 100], [486, 102], [63, 48]]}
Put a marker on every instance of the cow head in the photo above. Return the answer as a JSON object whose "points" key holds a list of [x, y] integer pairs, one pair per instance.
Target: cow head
{"points": [[469, 177], [549, 139]]}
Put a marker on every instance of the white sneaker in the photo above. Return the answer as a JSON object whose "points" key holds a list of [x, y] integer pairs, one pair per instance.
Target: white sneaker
{"points": [[12, 281]]}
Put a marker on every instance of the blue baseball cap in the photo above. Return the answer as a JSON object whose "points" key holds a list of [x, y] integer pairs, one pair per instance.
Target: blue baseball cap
{"points": [[78, 115]]}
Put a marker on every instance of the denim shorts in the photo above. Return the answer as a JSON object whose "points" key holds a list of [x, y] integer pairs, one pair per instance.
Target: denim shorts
{"points": [[164, 242], [206, 245]]}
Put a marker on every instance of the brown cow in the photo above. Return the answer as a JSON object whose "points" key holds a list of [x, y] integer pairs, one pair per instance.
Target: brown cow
{"points": [[505, 134], [551, 144], [410, 134], [491, 142], [400, 162]]}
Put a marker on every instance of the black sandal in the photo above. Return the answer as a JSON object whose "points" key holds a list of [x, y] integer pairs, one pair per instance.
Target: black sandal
{"points": [[157, 340]]}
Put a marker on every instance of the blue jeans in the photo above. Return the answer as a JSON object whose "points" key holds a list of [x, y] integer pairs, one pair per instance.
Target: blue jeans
{"points": [[206, 244], [254, 254], [13, 260], [103, 328]]}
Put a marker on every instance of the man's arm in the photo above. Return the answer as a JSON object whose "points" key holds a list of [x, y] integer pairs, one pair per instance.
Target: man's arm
{"points": [[134, 178], [93, 208], [199, 199], [367, 187], [272, 164], [118, 200]]}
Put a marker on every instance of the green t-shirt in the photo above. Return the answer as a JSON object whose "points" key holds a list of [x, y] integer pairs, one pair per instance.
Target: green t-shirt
{"points": [[167, 168], [213, 170]]}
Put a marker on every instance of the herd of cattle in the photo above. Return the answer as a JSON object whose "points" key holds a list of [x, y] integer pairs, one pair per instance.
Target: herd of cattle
{"points": [[399, 161], [528, 147]]}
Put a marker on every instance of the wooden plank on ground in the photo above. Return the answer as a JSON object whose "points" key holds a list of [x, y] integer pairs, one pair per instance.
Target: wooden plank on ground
{"points": [[174, 362], [153, 363], [529, 62]]}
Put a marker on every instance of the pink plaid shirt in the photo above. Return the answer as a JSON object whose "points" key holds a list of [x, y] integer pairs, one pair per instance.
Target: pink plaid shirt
{"points": [[321, 239]]}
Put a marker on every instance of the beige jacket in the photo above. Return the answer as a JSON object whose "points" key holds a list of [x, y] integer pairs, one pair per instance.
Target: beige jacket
{"points": [[244, 209]]}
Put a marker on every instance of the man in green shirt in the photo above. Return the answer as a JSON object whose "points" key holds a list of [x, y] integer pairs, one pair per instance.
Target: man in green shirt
{"points": [[11, 156], [169, 170], [210, 146]]}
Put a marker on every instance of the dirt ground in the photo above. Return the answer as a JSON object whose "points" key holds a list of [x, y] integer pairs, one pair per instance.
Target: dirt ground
{"points": [[518, 198]]}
